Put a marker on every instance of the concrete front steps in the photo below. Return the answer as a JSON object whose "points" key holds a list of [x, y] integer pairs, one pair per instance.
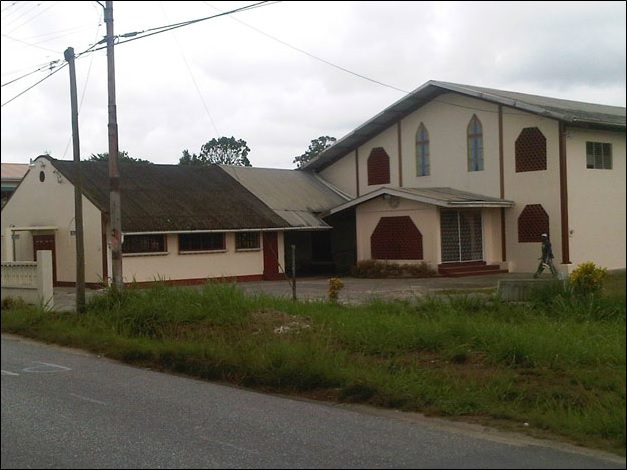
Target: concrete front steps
{"points": [[469, 268]]}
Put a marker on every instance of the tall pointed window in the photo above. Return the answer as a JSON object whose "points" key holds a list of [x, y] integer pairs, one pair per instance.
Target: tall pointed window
{"points": [[422, 151], [475, 145]]}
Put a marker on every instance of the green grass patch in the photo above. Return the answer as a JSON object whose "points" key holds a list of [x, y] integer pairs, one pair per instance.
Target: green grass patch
{"points": [[556, 362]]}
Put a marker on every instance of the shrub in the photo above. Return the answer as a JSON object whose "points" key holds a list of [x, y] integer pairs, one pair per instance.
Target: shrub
{"points": [[587, 279], [335, 286], [377, 269], [15, 303]]}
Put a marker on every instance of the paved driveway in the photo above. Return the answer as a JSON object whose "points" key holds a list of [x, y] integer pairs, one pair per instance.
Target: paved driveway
{"points": [[354, 291]]}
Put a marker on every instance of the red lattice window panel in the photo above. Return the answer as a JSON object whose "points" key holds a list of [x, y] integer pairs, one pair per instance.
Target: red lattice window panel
{"points": [[378, 167], [396, 238], [530, 150], [533, 221]]}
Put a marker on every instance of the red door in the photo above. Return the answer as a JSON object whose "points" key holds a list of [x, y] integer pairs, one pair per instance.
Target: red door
{"points": [[271, 256], [46, 242]]}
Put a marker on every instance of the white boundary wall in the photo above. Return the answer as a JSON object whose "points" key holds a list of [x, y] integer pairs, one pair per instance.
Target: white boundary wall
{"points": [[29, 280]]}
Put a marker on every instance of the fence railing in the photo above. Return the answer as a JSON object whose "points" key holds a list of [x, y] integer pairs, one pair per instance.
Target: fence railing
{"points": [[29, 280]]}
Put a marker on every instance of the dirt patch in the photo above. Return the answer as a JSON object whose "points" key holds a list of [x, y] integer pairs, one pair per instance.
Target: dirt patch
{"points": [[278, 322]]}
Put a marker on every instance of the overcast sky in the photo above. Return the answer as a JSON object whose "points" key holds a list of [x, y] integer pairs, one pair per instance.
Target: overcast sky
{"points": [[284, 73]]}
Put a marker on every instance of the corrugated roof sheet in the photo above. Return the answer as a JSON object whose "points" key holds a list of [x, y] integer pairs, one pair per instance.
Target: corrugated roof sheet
{"points": [[440, 196], [296, 196], [573, 113], [169, 198], [14, 171], [454, 197]]}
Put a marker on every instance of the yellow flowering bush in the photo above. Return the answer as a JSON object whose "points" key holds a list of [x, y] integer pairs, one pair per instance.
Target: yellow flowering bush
{"points": [[587, 279], [335, 286]]}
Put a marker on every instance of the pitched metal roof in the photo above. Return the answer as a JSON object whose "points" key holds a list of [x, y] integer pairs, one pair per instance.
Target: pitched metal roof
{"points": [[14, 171], [572, 113], [441, 197], [173, 198], [296, 196]]}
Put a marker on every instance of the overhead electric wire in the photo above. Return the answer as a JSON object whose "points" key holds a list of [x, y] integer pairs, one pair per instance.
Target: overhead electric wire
{"points": [[153, 31], [133, 36], [317, 58], [47, 66], [189, 70], [163, 29], [35, 84], [80, 105]]}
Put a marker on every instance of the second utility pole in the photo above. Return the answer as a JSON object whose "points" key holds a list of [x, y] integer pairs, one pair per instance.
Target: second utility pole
{"points": [[78, 188], [115, 215]]}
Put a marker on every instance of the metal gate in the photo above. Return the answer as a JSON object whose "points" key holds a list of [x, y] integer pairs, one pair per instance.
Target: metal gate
{"points": [[461, 234]]}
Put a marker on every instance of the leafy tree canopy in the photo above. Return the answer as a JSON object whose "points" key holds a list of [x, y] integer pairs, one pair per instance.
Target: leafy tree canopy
{"points": [[315, 148], [225, 150], [123, 157]]}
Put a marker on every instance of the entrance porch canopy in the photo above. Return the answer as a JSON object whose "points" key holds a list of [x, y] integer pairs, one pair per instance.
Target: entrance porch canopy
{"points": [[442, 197]]}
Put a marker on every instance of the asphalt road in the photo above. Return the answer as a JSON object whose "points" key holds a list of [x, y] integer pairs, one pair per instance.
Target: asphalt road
{"points": [[65, 408]]}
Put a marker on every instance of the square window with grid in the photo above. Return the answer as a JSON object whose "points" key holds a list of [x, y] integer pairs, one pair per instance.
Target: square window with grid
{"points": [[201, 242], [598, 156], [144, 244], [247, 241]]}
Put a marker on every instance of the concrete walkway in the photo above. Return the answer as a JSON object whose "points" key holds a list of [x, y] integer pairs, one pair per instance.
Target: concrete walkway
{"points": [[355, 290]]}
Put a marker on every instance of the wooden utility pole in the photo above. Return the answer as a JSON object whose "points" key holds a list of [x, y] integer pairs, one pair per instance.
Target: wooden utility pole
{"points": [[78, 188], [115, 216]]}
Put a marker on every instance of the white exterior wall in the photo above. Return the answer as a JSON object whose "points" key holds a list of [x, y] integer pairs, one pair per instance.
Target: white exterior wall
{"points": [[596, 202], [492, 241], [446, 120], [51, 203], [531, 187], [342, 174], [424, 217], [594, 234], [388, 140], [174, 266]]}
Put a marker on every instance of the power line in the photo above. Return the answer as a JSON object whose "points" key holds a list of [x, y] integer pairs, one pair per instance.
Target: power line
{"points": [[162, 29], [317, 58], [189, 70], [133, 36], [35, 84], [48, 65], [143, 34]]}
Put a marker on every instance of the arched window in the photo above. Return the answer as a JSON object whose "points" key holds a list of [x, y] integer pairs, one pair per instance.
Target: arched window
{"points": [[422, 151], [475, 144]]}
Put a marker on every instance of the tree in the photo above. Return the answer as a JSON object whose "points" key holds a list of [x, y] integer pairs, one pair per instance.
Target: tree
{"points": [[122, 157], [316, 147], [225, 150]]}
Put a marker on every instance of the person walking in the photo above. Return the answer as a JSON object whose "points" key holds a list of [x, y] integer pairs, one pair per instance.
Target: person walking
{"points": [[546, 260]]}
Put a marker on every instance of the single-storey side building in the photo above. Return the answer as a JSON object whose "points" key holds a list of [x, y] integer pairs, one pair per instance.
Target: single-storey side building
{"points": [[180, 223], [12, 174]]}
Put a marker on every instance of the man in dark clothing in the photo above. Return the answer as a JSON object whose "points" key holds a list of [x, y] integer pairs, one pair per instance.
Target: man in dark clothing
{"points": [[546, 261]]}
